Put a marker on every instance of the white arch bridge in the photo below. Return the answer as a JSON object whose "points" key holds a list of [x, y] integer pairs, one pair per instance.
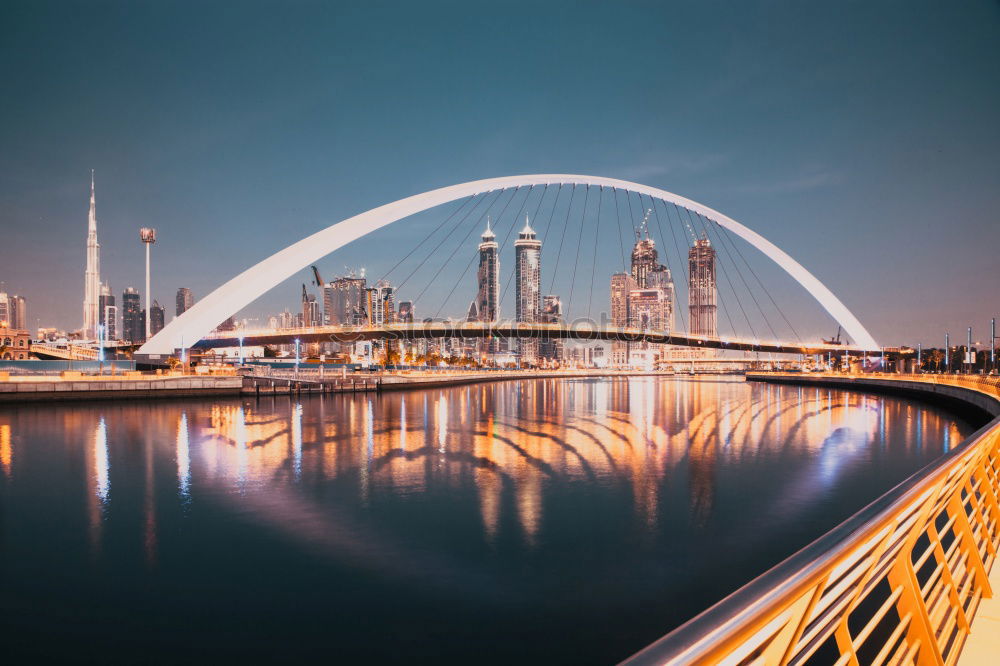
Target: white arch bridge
{"points": [[194, 327]]}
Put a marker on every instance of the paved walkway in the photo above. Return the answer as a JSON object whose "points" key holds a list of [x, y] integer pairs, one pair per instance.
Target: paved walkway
{"points": [[983, 644]]}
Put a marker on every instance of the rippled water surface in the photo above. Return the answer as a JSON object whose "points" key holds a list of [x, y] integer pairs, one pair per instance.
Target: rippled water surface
{"points": [[542, 520]]}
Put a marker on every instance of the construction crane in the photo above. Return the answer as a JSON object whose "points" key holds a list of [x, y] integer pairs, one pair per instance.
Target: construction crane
{"points": [[319, 281], [834, 340]]}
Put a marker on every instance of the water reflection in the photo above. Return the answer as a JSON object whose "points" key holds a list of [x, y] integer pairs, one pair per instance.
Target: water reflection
{"points": [[183, 458], [102, 480], [572, 495]]}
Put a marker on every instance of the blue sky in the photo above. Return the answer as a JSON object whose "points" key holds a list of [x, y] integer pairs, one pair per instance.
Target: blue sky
{"points": [[860, 137]]}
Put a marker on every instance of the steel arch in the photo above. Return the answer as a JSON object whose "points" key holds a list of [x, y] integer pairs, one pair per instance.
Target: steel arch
{"points": [[249, 285]]}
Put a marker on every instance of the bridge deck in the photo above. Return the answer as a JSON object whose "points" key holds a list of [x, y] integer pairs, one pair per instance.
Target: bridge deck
{"points": [[520, 330]]}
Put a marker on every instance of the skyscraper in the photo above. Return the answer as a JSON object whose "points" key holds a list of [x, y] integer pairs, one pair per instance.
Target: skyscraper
{"points": [[133, 317], [311, 314], [13, 311], [185, 299], [488, 296], [621, 285], [380, 305], [19, 310], [92, 274], [344, 301], [551, 348], [156, 316], [528, 279], [108, 313], [404, 315], [702, 292]]}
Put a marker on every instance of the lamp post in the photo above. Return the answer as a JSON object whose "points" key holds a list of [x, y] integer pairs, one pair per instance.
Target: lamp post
{"points": [[993, 344], [969, 358], [947, 354], [148, 237], [100, 347]]}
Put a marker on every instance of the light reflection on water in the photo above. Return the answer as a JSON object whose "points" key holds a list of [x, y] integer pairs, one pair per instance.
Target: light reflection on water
{"points": [[530, 509]]}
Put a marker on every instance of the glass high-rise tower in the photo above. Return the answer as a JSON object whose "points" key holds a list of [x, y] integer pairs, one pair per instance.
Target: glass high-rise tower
{"points": [[528, 279], [702, 292]]}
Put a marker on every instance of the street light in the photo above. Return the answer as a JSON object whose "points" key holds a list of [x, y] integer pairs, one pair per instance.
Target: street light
{"points": [[100, 345], [148, 237]]}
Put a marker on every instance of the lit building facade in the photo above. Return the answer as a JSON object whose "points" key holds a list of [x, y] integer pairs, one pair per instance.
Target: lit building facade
{"points": [[528, 280], [488, 296], [13, 311], [551, 349], [108, 313], [404, 315], [133, 317], [380, 304], [702, 292], [185, 299], [622, 284], [344, 301], [92, 273], [156, 317]]}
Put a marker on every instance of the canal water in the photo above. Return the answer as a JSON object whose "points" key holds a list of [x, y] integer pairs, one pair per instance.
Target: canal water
{"points": [[532, 521]]}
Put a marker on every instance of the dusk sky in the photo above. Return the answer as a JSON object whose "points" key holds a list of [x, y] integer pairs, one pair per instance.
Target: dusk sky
{"points": [[863, 138]]}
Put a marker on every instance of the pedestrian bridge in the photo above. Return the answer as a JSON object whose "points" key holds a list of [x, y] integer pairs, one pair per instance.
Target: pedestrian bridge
{"points": [[898, 583], [509, 329]]}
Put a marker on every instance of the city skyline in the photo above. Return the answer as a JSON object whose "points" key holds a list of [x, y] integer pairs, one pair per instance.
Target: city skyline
{"points": [[832, 185]]}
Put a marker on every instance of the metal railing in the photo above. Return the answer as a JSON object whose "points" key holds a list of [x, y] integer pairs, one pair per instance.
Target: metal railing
{"points": [[898, 583]]}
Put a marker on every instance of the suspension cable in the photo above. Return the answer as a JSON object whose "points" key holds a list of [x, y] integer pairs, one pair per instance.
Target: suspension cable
{"points": [[510, 275], [441, 267], [679, 310], [441, 242], [472, 258], [718, 233], [725, 274], [425, 239], [762, 286], [683, 260], [621, 243], [562, 238], [579, 242], [593, 263]]}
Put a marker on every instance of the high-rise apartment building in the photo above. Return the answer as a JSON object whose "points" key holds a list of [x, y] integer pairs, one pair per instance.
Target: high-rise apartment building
{"points": [[133, 317], [380, 304], [528, 281], [404, 315], [13, 311], [702, 293], [156, 316], [621, 285], [185, 299], [92, 273], [108, 313], [551, 348], [488, 278], [344, 301], [311, 313]]}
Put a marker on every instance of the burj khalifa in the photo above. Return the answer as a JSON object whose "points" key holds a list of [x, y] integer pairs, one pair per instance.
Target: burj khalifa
{"points": [[92, 276]]}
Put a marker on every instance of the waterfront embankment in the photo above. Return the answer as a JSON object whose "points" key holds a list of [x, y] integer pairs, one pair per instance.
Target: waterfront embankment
{"points": [[136, 385]]}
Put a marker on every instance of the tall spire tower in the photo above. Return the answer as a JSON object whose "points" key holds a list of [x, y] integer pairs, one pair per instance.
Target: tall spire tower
{"points": [[92, 276]]}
